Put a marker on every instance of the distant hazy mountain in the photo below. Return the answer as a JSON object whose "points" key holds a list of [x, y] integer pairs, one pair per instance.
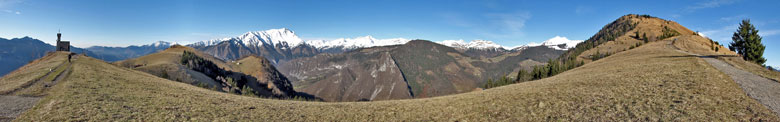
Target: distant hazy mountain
{"points": [[485, 48], [17, 52], [773, 68], [475, 44], [122, 53]]}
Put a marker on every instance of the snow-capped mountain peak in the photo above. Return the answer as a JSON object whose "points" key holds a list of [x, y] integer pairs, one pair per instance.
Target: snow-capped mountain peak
{"points": [[162, 44], [558, 40], [281, 36], [476, 44], [358, 42], [284, 38], [554, 43]]}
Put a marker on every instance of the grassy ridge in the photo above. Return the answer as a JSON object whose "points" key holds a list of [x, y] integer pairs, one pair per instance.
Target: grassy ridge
{"points": [[649, 83], [26, 74]]}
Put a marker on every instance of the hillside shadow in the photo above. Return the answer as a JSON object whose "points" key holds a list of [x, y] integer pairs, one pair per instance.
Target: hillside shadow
{"points": [[309, 97]]}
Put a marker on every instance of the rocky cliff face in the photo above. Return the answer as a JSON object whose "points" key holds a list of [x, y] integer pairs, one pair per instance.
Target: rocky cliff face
{"points": [[362, 75]]}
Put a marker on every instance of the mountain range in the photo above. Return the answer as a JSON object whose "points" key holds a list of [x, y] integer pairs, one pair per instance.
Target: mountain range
{"points": [[673, 75], [131, 51], [279, 45], [416, 69], [358, 59], [20, 51]]}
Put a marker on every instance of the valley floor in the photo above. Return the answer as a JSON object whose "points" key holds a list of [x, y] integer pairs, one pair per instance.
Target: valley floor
{"points": [[648, 83]]}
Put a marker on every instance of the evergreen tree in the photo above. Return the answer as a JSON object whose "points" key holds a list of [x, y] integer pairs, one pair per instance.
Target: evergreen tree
{"points": [[489, 84], [747, 43], [247, 91], [636, 35], [521, 76], [503, 81]]}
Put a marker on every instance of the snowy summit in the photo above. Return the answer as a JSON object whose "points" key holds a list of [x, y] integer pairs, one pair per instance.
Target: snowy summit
{"points": [[287, 39], [555, 43], [475, 44], [352, 43]]}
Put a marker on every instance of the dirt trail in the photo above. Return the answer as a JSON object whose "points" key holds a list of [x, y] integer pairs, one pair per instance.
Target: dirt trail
{"points": [[12, 106], [764, 90]]}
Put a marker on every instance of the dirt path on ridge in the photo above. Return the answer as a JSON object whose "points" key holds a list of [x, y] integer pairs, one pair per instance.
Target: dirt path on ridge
{"points": [[12, 106], [765, 91]]}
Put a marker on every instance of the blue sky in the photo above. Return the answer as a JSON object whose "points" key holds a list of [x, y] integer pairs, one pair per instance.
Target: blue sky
{"points": [[509, 23]]}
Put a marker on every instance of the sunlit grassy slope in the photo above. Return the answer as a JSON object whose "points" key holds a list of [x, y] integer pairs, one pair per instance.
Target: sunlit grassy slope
{"points": [[703, 46], [25, 75], [649, 83]]}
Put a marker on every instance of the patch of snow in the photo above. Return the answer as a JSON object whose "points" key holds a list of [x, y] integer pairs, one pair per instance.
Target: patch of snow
{"points": [[373, 73], [383, 67], [338, 66], [392, 87], [161, 44], [376, 92], [701, 34]]}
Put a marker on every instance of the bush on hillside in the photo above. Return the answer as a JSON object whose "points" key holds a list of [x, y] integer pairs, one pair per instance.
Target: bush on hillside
{"points": [[164, 75], [598, 55], [554, 67], [501, 81], [668, 32]]}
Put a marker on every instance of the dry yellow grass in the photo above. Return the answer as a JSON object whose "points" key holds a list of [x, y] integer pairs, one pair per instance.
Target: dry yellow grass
{"points": [[702, 46], [39, 88], [652, 27], [752, 68], [166, 63], [254, 66], [27, 73], [650, 83], [171, 55]]}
